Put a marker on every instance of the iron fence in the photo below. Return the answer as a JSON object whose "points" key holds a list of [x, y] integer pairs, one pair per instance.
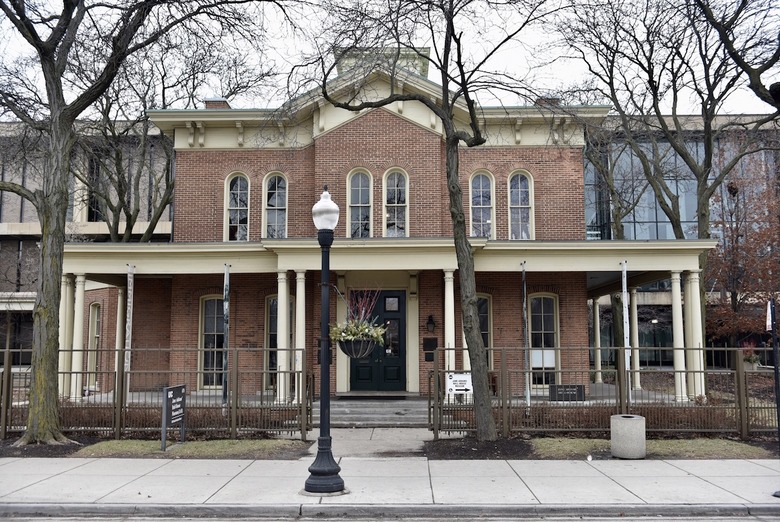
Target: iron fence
{"points": [[736, 398], [250, 395], [254, 394]]}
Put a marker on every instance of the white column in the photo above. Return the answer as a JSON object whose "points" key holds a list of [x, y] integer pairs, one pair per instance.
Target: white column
{"points": [[690, 363], [697, 335], [119, 336], [678, 341], [282, 337], [596, 341], [66, 353], [77, 363], [636, 382], [300, 332], [449, 319]]}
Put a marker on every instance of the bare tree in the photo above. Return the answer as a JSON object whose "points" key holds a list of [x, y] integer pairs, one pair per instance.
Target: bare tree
{"points": [[616, 178], [125, 165], [622, 188], [743, 270], [38, 86], [653, 61], [125, 174], [464, 37], [750, 32]]}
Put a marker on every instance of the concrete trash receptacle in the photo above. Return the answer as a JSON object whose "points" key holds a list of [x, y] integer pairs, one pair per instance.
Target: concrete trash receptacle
{"points": [[627, 437]]}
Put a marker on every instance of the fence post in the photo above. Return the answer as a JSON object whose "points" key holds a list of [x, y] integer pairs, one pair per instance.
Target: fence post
{"points": [[621, 381], [300, 391], [119, 393], [741, 392], [5, 393], [436, 393], [234, 388], [503, 385]]}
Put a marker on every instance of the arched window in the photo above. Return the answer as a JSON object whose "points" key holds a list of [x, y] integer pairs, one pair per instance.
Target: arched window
{"points": [[520, 207], [544, 338], [212, 339], [359, 205], [237, 208], [481, 206], [276, 207], [395, 205]]}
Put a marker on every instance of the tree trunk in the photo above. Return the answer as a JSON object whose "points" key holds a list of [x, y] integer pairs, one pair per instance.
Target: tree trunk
{"points": [[52, 204], [483, 408]]}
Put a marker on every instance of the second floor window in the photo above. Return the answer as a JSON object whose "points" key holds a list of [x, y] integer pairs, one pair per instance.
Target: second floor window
{"points": [[395, 205], [481, 206], [276, 207], [238, 209], [359, 205], [519, 207], [94, 190]]}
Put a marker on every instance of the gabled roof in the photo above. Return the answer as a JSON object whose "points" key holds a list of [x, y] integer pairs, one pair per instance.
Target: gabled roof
{"points": [[302, 107]]}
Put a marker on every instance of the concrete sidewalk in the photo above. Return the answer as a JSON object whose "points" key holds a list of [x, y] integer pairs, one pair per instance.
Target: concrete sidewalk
{"points": [[386, 487]]}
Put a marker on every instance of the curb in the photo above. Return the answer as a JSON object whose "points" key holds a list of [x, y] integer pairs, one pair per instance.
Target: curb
{"points": [[379, 511]]}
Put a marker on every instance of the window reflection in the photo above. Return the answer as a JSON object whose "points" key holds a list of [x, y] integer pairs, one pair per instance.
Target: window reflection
{"points": [[392, 337]]}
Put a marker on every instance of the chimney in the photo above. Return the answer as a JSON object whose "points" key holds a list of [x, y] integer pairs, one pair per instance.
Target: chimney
{"points": [[216, 103], [548, 102]]}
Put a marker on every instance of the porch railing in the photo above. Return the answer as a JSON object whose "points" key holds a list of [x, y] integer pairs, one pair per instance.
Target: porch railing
{"points": [[249, 396], [735, 398], [726, 396]]}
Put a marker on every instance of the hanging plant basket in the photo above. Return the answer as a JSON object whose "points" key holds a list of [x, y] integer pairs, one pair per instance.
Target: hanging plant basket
{"points": [[357, 348]]}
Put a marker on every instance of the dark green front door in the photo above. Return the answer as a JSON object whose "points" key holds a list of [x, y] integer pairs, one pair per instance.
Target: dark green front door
{"points": [[385, 368]]}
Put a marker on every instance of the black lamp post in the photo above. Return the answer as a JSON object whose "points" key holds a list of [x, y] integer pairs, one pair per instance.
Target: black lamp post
{"points": [[324, 471]]}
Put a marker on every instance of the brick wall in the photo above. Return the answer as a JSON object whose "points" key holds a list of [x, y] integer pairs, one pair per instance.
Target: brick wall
{"points": [[377, 142], [558, 183], [200, 189]]}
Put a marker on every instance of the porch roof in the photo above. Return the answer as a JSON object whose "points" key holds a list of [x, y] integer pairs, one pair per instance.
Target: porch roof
{"points": [[601, 261]]}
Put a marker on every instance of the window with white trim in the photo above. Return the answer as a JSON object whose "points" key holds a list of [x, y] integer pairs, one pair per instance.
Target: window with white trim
{"points": [[272, 341], [544, 338], [93, 345], [483, 311], [481, 206], [395, 205], [359, 205], [276, 207], [212, 342], [238, 208], [520, 206]]}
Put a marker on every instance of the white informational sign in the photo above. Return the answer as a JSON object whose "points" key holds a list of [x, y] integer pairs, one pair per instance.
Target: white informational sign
{"points": [[458, 383]]}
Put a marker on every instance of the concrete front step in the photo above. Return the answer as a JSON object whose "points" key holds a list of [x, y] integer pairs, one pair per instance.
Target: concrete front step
{"points": [[371, 413]]}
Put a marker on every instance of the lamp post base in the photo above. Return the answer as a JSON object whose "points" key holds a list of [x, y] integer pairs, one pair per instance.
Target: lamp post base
{"points": [[324, 471]]}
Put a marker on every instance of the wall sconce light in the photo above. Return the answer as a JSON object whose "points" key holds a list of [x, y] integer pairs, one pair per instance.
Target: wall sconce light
{"points": [[431, 324]]}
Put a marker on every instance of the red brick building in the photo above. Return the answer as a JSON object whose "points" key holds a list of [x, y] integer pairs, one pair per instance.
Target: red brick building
{"points": [[246, 181]]}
